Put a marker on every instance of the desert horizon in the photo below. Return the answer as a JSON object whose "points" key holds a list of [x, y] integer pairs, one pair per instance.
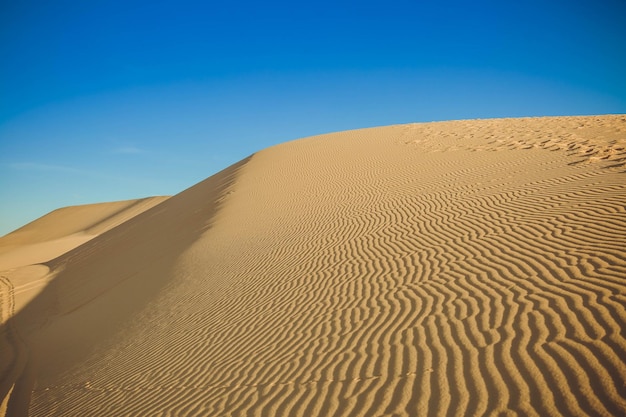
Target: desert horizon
{"points": [[468, 267]]}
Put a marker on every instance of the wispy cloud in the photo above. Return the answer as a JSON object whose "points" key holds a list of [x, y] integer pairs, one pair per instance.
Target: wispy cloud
{"points": [[128, 150], [35, 166], [39, 167]]}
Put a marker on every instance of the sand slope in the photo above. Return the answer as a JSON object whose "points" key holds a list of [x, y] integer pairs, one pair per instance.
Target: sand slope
{"points": [[454, 268], [61, 230], [23, 252]]}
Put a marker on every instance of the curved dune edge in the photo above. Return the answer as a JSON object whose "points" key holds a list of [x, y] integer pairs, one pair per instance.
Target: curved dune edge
{"points": [[451, 268]]}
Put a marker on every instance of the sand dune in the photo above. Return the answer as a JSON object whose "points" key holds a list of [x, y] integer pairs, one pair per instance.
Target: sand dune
{"points": [[61, 230], [452, 268], [23, 253]]}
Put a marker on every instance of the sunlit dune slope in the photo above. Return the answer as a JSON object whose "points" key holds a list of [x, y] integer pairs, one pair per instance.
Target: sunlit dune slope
{"points": [[452, 268]]}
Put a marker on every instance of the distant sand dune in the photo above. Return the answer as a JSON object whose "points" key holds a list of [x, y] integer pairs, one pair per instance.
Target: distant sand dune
{"points": [[24, 252], [61, 230], [451, 268]]}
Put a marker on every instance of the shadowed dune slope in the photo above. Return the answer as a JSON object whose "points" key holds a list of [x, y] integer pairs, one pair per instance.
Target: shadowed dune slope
{"points": [[451, 268], [95, 288]]}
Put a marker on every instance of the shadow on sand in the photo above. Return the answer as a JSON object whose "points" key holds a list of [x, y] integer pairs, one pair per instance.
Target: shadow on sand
{"points": [[99, 286]]}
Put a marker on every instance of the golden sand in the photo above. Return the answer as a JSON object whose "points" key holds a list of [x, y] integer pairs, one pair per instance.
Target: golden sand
{"points": [[452, 268]]}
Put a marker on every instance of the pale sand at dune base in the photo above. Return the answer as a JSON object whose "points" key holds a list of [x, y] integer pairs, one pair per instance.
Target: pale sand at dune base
{"points": [[461, 268]]}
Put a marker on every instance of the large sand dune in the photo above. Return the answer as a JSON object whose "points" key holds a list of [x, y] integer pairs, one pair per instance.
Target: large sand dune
{"points": [[452, 268]]}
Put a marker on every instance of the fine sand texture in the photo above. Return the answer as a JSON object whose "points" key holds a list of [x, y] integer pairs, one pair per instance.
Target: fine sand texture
{"points": [[461, 268]]}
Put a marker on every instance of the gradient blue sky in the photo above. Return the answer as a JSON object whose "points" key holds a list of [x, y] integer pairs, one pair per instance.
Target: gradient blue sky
{"points": [[111, 100]]}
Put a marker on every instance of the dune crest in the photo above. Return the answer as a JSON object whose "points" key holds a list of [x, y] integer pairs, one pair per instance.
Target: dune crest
{"points": [[450, 268]]}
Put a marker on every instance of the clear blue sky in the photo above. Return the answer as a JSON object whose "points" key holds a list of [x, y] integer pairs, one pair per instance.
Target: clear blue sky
{"points": [[110, 100]]}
